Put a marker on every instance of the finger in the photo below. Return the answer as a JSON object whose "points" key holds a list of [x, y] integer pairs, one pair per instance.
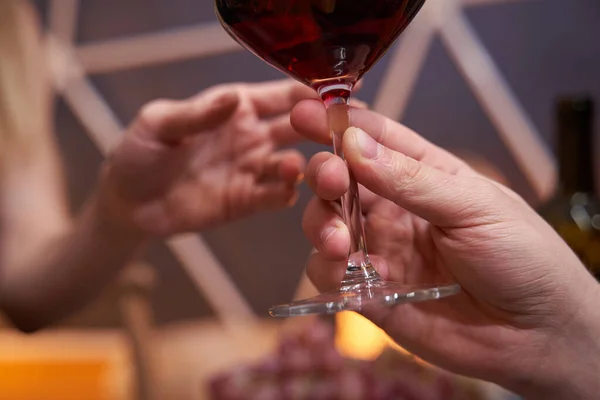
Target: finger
{"points": [[445, 200], [358, 86], [325, 230], [359, 104], [367, 198], [309, 119], [325, 274], [285, 166], [171, 121], [281, 131], [327, 175], [273, 196], [278, 97]]}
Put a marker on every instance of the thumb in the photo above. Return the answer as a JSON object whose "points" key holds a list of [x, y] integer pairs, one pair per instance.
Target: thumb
{"points": [[445, 200]]}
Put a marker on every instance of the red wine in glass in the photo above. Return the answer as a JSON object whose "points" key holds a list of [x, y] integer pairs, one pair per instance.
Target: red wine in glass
{"points": [[329, 45], [317, 40]]}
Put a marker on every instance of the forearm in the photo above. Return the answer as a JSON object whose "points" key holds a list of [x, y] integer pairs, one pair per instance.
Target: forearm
{"points": [[67, 271]]}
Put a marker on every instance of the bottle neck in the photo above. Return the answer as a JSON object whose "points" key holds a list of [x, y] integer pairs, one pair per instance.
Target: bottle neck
{"points": [[575, 146]]}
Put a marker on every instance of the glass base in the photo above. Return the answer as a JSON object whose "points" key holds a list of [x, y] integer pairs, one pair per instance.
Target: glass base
{"points": [[372, 293]]}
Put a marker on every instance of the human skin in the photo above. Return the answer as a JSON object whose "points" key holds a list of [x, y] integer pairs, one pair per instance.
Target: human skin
{"points": [[526, 317], [182, 166]]}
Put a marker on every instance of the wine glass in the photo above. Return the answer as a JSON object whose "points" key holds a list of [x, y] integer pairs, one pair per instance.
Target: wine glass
{"points": [[329, 45]]}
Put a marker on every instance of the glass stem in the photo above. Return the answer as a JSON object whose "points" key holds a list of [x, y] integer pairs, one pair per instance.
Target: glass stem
{"points": [[360, 269]]}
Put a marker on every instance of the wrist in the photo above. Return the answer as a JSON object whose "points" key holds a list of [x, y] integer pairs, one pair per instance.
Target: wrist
{"points": [[570, 369], [112, 222], [113, 210]]}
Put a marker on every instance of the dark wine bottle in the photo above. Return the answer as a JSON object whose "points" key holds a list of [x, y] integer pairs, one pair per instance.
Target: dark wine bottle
{"points": [[574, 211]]}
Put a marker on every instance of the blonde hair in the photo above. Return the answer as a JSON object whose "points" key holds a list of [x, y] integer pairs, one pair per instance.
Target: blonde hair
{"points": [[25, 119]]}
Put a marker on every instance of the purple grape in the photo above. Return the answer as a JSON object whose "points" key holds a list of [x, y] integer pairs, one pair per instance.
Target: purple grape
{"points": [[445, 388], [287, 344], [297, 361], [413, 390], [332, 360], [352, 385], [381, 390], [295, 389], [216, 383], [268, 367], [231, 392], [369, 377], [266, 393], [320, 333], [307, 366]]}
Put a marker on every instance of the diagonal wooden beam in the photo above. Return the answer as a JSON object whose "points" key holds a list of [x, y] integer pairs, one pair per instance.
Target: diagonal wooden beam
{"points": [[171, 45], [498, 101], [63, 16], [402, 73]]}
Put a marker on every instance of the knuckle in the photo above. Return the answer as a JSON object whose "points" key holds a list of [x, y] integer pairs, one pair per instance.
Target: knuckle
{"points": [[490, 192], [406, 173], [486, 205]]}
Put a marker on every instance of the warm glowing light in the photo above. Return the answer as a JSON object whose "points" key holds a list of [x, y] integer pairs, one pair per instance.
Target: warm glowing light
{"points": [[64, 365], [357, 337], [54, 379]]}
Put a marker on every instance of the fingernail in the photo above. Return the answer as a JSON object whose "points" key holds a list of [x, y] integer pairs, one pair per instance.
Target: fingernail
{"points": [[299, 179], [367, 146]]}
